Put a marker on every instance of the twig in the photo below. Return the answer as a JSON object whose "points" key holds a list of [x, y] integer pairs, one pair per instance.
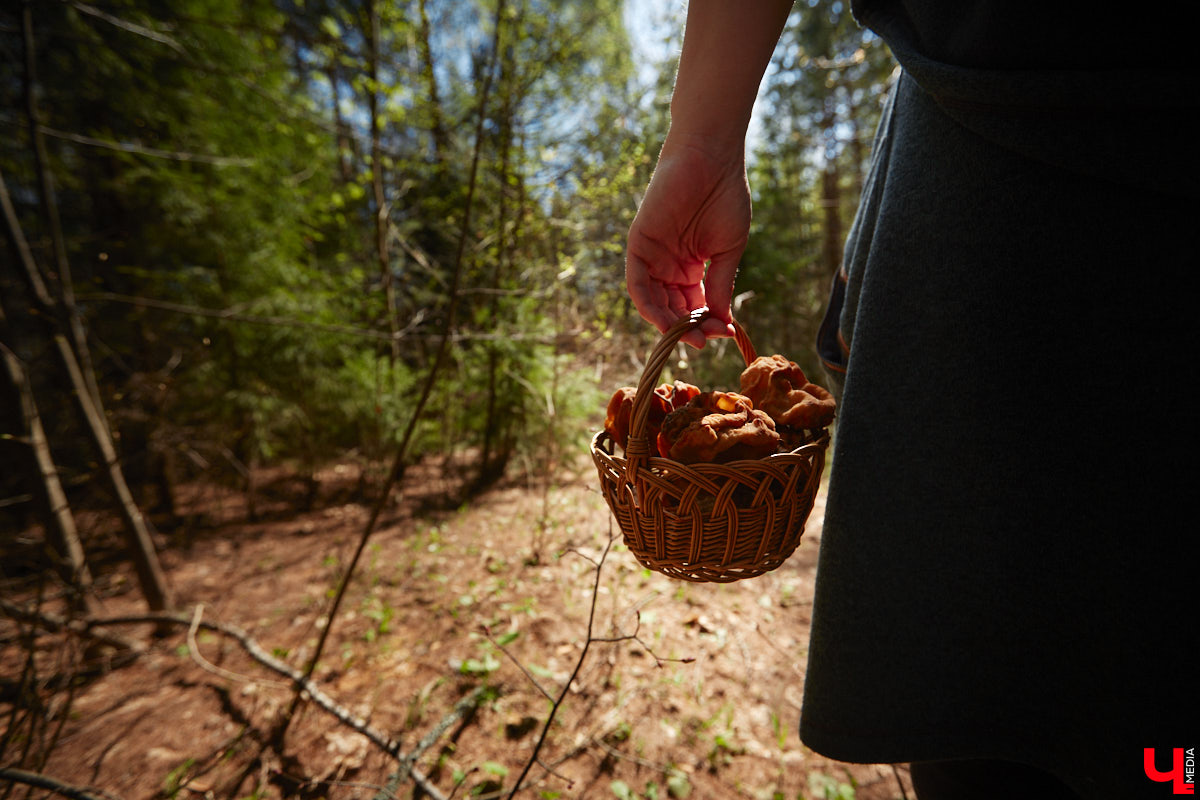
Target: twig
{"points": [[391, 747], [208, 666], [134, 148], [550, 769], [520, 666], [627, 637], [303, 683], [235, 315], [305, 783], [40, 781], [789, 658], [27, 681], [409, 760], [541, 740], [556, 703], [55, 624], [641, 762], [131, 27]]}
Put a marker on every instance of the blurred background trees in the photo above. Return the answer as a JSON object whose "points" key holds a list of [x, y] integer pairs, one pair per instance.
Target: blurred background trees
{"points": [[256, 209]]}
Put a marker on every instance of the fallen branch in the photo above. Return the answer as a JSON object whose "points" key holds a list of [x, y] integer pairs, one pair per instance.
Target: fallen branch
{"points": [[208, 666], [88, 627], [409, 760], [55, 623], [36, 779], [253, 649]]}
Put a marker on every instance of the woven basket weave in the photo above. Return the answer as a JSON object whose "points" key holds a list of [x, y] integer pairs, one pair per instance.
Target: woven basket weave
{"points": [[714, 523]]}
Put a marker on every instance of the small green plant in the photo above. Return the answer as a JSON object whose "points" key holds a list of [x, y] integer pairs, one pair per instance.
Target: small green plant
{"points": [[678, 785], [723, 749], [479, 667], [380, 612], [177, 779], [780, 731], [825, 787], [486, 663]]}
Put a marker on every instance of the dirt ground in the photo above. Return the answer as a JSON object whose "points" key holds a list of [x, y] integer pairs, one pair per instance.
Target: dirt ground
{"points": [[696, 694]]}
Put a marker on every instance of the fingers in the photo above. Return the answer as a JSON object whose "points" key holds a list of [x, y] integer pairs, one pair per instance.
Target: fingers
{"points": [[718, 285], [649, 295], [662, 303]]}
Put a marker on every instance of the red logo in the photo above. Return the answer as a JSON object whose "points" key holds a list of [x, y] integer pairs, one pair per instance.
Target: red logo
{"points": [[1182, 774]]}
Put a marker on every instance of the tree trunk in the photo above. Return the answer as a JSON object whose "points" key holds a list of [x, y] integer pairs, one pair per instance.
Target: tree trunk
{"points": [[145, 559], [437, 123], [59, 521], [831, 198], [492, 464], [341, 137], [74, 324], [381, 208]]}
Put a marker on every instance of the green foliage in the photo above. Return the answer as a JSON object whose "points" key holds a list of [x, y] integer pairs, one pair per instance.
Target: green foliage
{"points": [[678, 785], [824, 787], [264, 200], [177, 779], [825, 94]]}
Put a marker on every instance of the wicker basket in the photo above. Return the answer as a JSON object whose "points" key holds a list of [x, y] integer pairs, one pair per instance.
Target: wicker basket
{"points": [[706, 522]]}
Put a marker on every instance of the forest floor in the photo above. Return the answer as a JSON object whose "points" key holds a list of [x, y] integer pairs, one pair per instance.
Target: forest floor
{"points": [[697, 693]]}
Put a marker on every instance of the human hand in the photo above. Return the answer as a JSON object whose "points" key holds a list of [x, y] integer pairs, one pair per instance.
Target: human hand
{"points": [[696, 210]]}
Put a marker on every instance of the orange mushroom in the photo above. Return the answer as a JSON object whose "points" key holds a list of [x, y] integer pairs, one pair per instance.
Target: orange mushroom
{"points": [[666, 399], [717, 427], [780, 388]]}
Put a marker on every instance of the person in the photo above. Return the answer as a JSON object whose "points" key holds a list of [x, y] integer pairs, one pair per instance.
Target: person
{"points": [[1005, 584]]}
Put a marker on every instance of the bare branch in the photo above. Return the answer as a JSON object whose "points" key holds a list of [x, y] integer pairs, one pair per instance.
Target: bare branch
{"points": [[152, 152], [55, 624], [409, 760], [633, 637], [233, 314], [208, 666], [131, 27], [520, 666], [541, 740], [239, 316], [40, 781], [400, 459]]}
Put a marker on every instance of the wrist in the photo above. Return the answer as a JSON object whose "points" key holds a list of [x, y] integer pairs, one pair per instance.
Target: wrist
{"points": [[726, 49], [720, 134], [719, 149]]}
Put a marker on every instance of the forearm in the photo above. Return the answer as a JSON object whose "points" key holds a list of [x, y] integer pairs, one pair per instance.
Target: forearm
{"points": [[727, 46]]}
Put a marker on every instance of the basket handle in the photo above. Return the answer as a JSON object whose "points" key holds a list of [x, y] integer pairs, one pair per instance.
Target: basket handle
{"points": [[637, 448]]}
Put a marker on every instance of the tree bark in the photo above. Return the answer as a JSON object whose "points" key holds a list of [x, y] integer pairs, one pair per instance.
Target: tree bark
{"points": [[437, 123], [831, 197], [74, 325], [490, 466], [145, 559], [59, 521], [382, 255]]}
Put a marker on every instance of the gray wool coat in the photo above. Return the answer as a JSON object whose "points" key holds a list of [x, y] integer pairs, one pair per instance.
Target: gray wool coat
{"points": [[1007, 568]]}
